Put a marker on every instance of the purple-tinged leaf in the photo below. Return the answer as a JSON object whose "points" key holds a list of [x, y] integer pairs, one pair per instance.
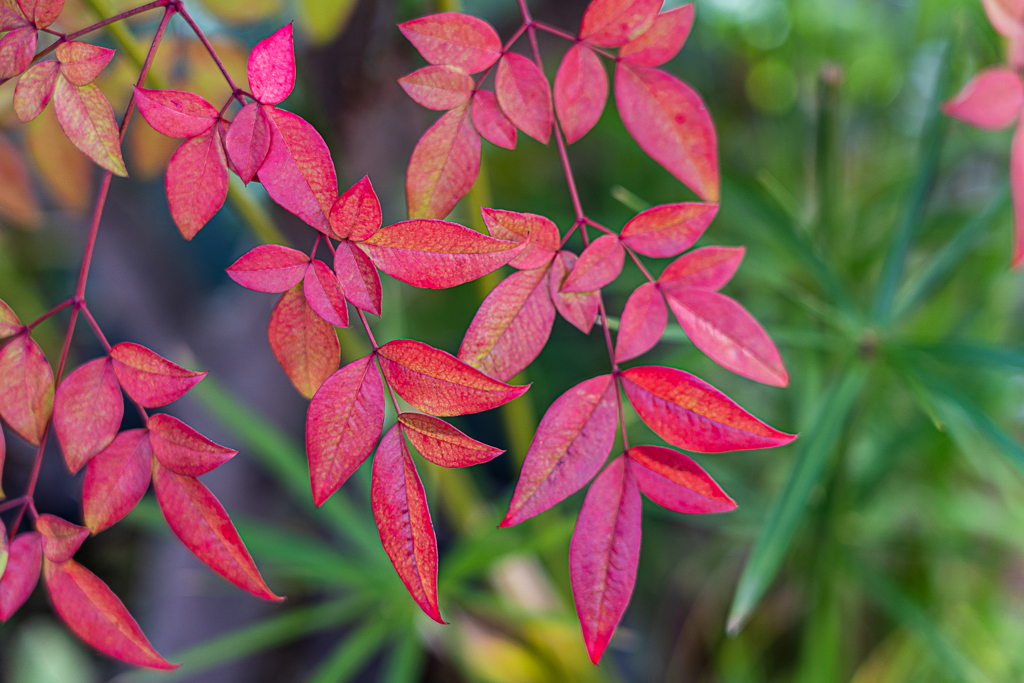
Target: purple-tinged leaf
{"points": [[117, 479], [148, 378], [197, 182], [581, 91], [442, 444], [304, 344], [443, 166], [611, 23], [454, 39], [438, 87], [580, 309], [175, 113], [26, 388], [707, 268], [642, 324], [598, 265], [81, 63], [34, 90], [359, 278], [674, 481], [356, 215], [88, 121], [324, 294], [24, 562], [663, 40], [272, 67], [269, 268], [668, 230], [491, 122], [87, 411], [525, 96], [248, 140], [182, 449]]}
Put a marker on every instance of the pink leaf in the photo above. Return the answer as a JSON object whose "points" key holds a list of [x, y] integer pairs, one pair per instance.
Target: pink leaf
{"points": [[324, 294], [87, 411], [455, 40], [511, 327], [41, 13], [344, 422], [304, 344], [356, 215], [540, 233], [992, 100], [707, 268], [642, 324], [9, 323], [88, 121], [272, 67], [580, 309], [11, 16], [81, 63], [1017, 192], [442, 444], [182, 449], [197, 182], [269, 268], [438, 383], [17, 49], [491, 122], [248, 140], [24, 562], [604, 554], [403, 519], [61, 539], [175, 113], [358, 276], [439, 87], [581, 91], [298, 172], [691, 414], [662, 41], [26, 388], [598, 265], [437, 254], [1006, 16], [671, 124], [525, 96], [150, 379], [443, 167], [668, 230], [34, 90], [116, 479], [3, 456], [611, 23], [674, 481], [572, 442]]}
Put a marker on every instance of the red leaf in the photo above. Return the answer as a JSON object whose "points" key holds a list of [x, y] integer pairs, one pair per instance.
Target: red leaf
{"points": [[662, 41], [580, 309], [442, 444], [1017, 192], [248, 140], [298, 172], [604, 554], [598, 265], [175, 113], [491, 122], [87, 411], [324, 294], [9, 323], [403, 519], [269, 268], [438, 383], [81, 63], [41, 13], [88, 121], [511, 327], [11, 16], [344, 422], [34, 90], [581, 91], [24, 561], [182, 449], [61, 539], [707, 268], [992, 100], [437, 254], [728, 334], [642, 324], [304, 344], [116, 479], [691, 414], [272, 67], [197, 182], [455, 40], [443, 166], [17, 49], [357, 215], [199, 520], [149, 378], [540, 233], [358, 277], [525, 96], [439, 87], [26, 388], [674, 481], [99, 618], [611, 23], [671, 123], [572, 442], [668, 230]]}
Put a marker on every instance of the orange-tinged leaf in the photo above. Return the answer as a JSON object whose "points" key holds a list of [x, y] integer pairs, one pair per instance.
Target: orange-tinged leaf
{"points": [[442, 444], [175, 113], [358, 276], [87, 411], [182, 449], [272, 67], [611, 23], [88, 121], [581, 91], [491, 122], [116, 479], [674, 481], [356, 215], [81, 63], [24, 562], [34, 89], [324, 294], [197, 182], [18, 201], [525, 96], [66, 173], [663, 40], [707, 268], [269, 268], [17, 49], [10, 325], [643, 322], [540, 233], [598, 265], [444, 166], [580, 308], [454, 39], [11, 16], [26, 388], [991, 100], [41, 13], [149, 378], [61, 539], [303, 343], [668, 230], [438, 87]]}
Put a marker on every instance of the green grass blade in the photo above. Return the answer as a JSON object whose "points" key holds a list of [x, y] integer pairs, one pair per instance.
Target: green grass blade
{"points": [[354, 650], [405, 662], [975, 355]]}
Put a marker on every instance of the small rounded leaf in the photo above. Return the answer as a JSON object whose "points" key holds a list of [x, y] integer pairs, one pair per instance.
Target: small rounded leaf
{"points": [[357, 214], [81, 63], [41, 13]]}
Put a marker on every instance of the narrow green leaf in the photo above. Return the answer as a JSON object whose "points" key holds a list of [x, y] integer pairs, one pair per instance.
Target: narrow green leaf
{"points": [[630, 200], [405, 661], [352, 653], [976, 355]]}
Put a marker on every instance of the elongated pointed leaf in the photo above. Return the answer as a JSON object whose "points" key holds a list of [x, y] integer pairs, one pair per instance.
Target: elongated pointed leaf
{"points": [[61, 539], [403, 518], [197, 182], [87, 411], [991, 100], [491, 122], [443, 444], [642, 324], [269, 268], [24, 562], [9, 323], [17, 49], [581, 91], [182, 449], [304, 344], [81, 63], [176, 113], [525, 96], [149, 378], [668, 230], [540, 233], [41, 13], [1017, 192], [272, 67], [455, 40], [443, 167], [706, 268], [324, 294], [598, 265], [604, 554], [438, 87], [34, 90], [611, 23], [359, 278], [248, 140], [26, 388], [572, 442], [674, 481], [580, 309], [117, 479], [662, 41], [88, 121], [357, 214]]}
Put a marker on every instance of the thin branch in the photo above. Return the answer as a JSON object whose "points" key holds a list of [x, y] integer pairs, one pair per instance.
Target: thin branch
{"points": [[237, 93], [53, 311]]}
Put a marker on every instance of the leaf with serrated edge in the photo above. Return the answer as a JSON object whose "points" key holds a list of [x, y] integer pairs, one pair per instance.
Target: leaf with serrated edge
{"points": [[269, 268], [175, 113], [580, 309], [454, 39], [598, 265], [707, 268], [197, 182], [573, 440], [81, 63], [643, 322], [116, 479], [272, 67], [359, 278], [182, 449], [581, 91], [663, 40], [87, 411], [41, 13], [248, 140], [356, 215], [26, 388], [611, 23], [438, 87], [17, 49], [9, 323], [491, 122], [674, 481], [443, 167], [34, 90], [668, 230], [324, 294], [24, 562], [525, 96], [540, 233], [150, 379], [443, 444], [88, 121], [61, 539], [304, 344]]}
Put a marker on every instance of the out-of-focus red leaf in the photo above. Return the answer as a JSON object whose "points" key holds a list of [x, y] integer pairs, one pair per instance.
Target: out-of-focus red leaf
{"points": [[525, 96], [598, 265], [18, 201], [175, 113], [992, 100], [9, 323], [88, 121], [674, 481], [359, 278], [580, 309], [343, 424], [1006, 16], [540, 233], [1017, 192], [116, 479], [17, 49], [491, 122], [442, 444], [149, 378], [663, 40], [668, 230], [304, 344], [324, 294], [61, 539], [34, 90], [611, 23], [3, 456], [81, 63], [604, 554], [197, 182], [643, 322], [443, 167], [454, 39], [272, 67], [403, 519], [356, 215], [87, 411], [11, 16], [691, 414], [41, 13], [511, 327], [26, 388], [25, 559], [707, 268], [581, 91], [439, 87], [438, 383], [671, 123], [572, 442], [269, 268], [298, 172], [4, 554], [182, 449], [99, 618], [248, 140]]}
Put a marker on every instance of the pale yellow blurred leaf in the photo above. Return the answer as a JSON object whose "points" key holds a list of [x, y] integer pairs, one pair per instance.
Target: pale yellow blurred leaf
{"points": [[148, 151], [66, 173], [242, 11], [323, 20]]}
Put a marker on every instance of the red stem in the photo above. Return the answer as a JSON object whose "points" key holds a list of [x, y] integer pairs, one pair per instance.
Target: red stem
{"points": [[53, 311], [236, 92], [95, 327], [556, 31], [100, 24], [369, 333], [640, 265]]}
